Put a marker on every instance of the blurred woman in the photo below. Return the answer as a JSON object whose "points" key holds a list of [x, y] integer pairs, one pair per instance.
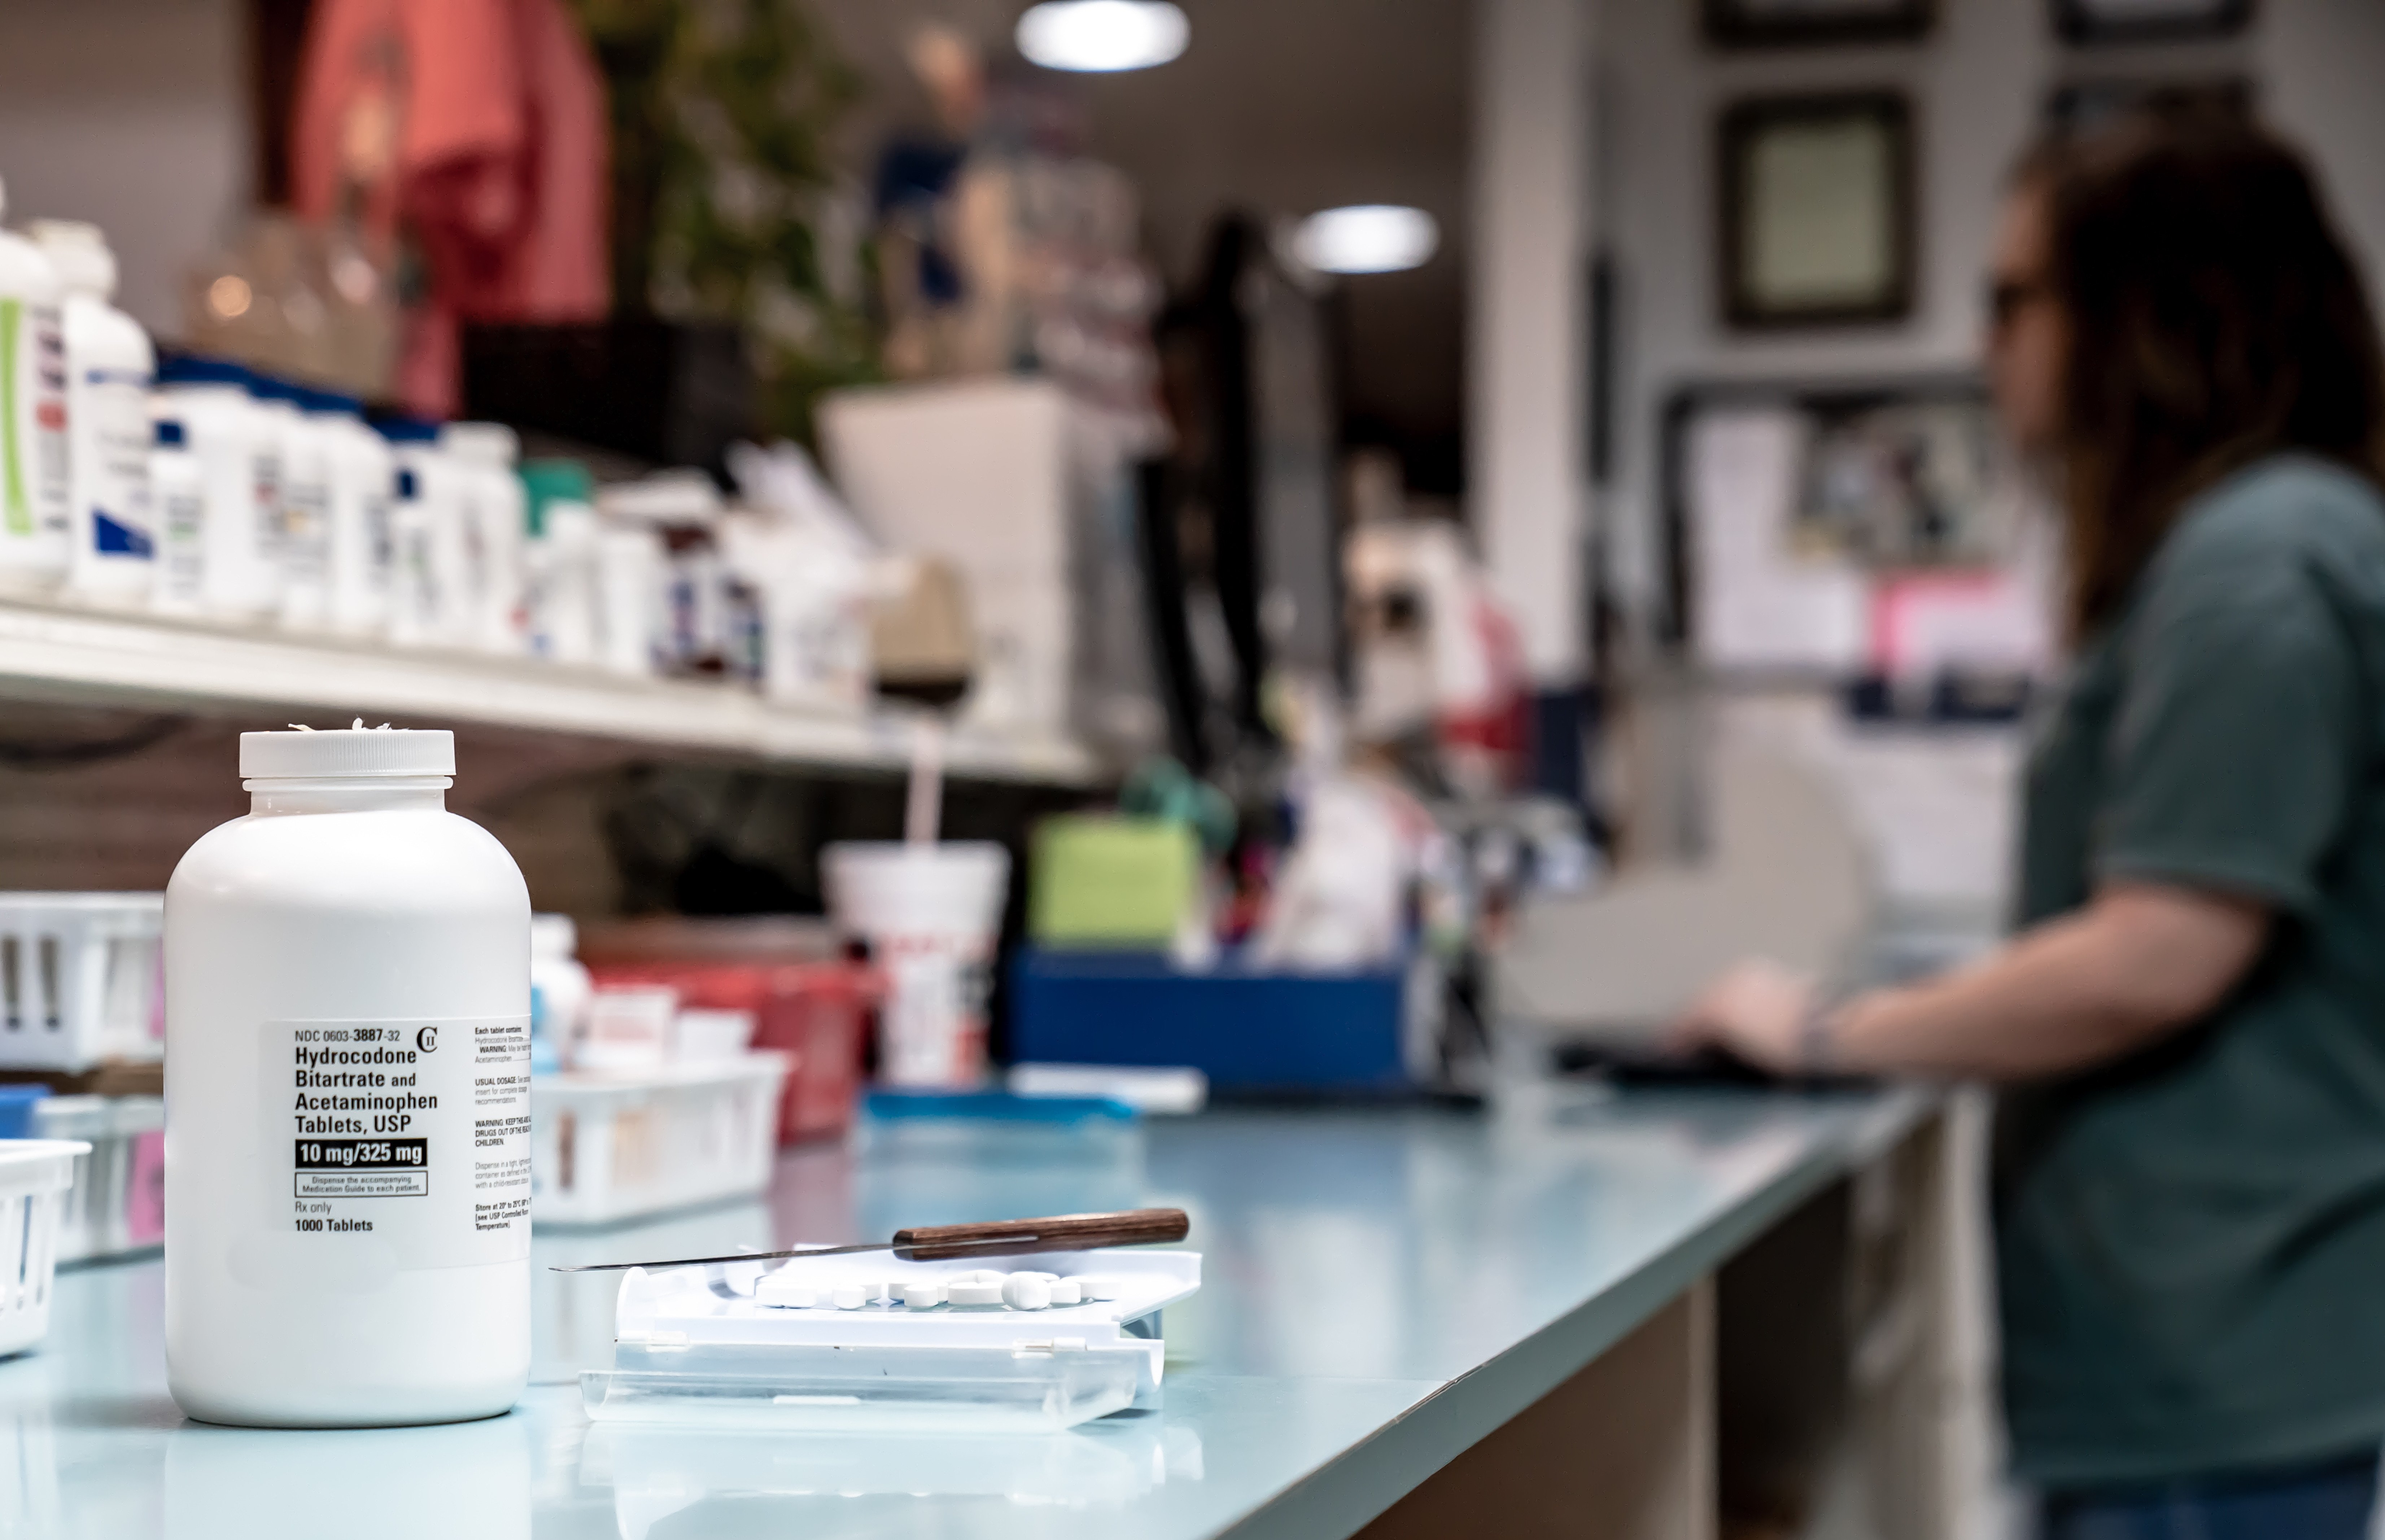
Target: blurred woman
{"points": [[2191, 1024]]}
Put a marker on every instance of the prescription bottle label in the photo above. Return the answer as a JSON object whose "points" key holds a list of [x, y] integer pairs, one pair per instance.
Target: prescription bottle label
{"points": [[111, 417], [181, 515], [306, 531], [32, 420], [266, 487], [413, 1130]]}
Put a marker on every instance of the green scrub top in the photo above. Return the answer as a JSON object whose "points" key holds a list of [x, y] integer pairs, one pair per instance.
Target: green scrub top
{"points": [[2190, 1242]]}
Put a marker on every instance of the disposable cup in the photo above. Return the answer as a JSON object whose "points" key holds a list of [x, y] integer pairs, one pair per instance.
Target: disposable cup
{"points": [[932, 915]]}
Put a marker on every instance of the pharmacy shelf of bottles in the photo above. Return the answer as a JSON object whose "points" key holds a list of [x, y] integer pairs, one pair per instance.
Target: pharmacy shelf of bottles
{"points": [[59, 653]]}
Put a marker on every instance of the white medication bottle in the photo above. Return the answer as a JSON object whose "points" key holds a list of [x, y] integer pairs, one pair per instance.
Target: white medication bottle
{"points": [[560, 989], [239, 451], [417, 608], [363, 550], [34, 538], [348, 1141], [632, 572], [559, 560], [493, 523], [306, 487], [109, 365], [561, 564], [427, 605], [178, 501]]}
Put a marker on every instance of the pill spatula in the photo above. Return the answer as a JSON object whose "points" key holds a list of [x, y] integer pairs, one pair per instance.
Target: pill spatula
{"points": [[999, 1238]]}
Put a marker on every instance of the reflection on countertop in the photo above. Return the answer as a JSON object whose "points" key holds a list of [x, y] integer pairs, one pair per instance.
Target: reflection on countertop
{"points": [[1356, 1262], [654, 1472]]}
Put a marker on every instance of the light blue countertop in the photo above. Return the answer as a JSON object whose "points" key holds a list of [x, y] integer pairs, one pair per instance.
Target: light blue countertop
{"points": [[1381, 1289]]}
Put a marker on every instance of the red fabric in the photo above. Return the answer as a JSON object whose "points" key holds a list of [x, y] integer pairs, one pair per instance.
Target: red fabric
{"points": [[495, 163], [1500, 725]]}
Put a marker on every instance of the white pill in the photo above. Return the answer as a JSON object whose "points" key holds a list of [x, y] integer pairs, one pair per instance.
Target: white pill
{"points": [[1026, 1291], [972, 1291], [1067, 1291], [849, 1296], [1047, 1277], [1099, 1288], [984, 1275], [873, 1288], [786, 1294], [921, 1297]]}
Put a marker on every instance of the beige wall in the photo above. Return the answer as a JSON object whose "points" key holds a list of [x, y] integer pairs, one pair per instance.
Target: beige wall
{"points": [[1526, 476], [1283, 106], [1977, 83], [131, 114]]}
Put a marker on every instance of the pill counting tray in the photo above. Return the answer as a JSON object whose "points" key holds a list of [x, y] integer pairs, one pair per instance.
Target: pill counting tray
{"points": [[733, 1345]]}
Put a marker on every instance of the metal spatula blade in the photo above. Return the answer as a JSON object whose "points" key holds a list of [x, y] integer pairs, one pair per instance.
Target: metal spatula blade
{"points": [[991, 1238]]}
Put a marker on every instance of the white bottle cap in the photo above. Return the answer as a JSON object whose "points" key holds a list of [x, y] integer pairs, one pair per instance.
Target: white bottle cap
{"points": [[553, 935], [481, 443], [358, 751], [79, 253]]}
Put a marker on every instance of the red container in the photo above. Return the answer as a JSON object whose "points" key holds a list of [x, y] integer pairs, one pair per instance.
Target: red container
{"points": [[816, 1012], [820, 1012]]}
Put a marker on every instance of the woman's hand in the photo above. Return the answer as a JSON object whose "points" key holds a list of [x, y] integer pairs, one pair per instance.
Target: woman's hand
{"points": [[1758, 1010], [2141, 961]]}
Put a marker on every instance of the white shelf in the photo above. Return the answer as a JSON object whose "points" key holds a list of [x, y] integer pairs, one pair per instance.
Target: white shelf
{"points": [[58, 651]]}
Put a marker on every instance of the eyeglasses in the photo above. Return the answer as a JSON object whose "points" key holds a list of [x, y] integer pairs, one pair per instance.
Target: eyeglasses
{"points": [[2008, 297]]}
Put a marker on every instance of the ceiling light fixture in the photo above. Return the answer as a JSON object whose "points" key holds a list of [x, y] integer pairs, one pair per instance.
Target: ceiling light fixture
{"points": [[1101, 36], [1367, 238]]}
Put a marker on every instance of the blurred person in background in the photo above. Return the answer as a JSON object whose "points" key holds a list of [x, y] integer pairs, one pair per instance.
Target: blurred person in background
{"points": [[2190, 1027]]}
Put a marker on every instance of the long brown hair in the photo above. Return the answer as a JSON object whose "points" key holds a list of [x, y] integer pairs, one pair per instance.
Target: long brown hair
{"points": [[2214, 318]]}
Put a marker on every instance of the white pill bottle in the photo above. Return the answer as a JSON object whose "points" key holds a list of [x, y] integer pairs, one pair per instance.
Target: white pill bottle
{"points": [[494, 525], [362, 558], [33, 498], [238, 454], [110, 366], [178, 505], [347, 1135]]}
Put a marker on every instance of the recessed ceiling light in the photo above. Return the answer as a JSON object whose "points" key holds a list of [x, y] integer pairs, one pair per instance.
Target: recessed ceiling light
{"points": [[1367, 238], [1101, 34]]}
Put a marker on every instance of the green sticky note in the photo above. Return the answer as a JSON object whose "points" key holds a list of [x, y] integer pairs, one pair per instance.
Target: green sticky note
{"points": [[1105, 881]]}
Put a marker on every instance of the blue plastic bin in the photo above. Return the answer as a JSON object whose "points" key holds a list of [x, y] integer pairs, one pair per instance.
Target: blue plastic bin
{"points": [[994, 1126], [1248, 1030], [17, 1110]]}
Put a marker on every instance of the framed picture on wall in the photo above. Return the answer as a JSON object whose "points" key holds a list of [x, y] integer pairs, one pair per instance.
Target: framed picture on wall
{"points": [[2092, 22], [2081, 106], [1817, 216], [1794, 23]]}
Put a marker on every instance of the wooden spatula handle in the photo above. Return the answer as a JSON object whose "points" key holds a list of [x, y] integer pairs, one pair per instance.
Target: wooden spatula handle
{"points": [[1055, 1233]]}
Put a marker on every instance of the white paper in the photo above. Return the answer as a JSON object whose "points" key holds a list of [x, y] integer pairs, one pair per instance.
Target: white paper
{"points": [[1758, 603]]}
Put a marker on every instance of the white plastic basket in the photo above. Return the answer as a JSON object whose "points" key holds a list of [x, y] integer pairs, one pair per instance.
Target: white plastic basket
{"points": [[116, 1204], [34, 1177], [608, 1146], [78, 978]]}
